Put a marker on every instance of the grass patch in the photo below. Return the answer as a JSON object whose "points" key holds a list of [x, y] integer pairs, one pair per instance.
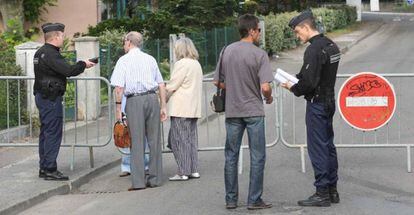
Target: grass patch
{"points": [[354, 27]]}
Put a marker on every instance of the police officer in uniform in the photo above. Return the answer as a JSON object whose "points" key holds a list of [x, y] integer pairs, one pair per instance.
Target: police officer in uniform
{"points": [[316, 83], [51, 70]]}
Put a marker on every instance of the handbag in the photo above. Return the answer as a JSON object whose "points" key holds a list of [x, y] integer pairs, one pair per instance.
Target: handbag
{"points": [[218, 102], [122, 139]]}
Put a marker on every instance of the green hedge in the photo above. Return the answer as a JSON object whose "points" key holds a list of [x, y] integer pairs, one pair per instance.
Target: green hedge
{"points": [[9, 89], [279, 36]]}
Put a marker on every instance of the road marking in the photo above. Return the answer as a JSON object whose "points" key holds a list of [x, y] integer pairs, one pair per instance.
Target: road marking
{"points": [[397, 19], [412, 19]]}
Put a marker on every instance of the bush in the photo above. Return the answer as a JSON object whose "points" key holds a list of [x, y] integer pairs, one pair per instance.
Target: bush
{"points": [[111, 49], [250, 7], [279, 36], [123, 24], [9, 89]]}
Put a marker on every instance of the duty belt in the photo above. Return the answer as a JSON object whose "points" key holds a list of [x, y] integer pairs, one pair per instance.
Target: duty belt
{"points": [[141, 94], [321, 99]]}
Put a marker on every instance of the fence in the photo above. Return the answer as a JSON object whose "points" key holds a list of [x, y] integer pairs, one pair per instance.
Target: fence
{"points": [[23, 124], [392, 135], [208, 43], [211, 125], [98, 132], [284, 122]]}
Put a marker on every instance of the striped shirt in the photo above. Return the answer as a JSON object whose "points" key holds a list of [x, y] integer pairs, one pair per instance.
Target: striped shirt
{"points": [[136, 72]]}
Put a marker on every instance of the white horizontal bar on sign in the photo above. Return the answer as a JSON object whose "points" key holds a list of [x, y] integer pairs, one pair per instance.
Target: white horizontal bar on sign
{"points": [[367, 101]]}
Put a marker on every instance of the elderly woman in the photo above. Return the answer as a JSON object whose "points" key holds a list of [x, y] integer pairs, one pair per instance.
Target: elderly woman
{"points": [[185, 89]]}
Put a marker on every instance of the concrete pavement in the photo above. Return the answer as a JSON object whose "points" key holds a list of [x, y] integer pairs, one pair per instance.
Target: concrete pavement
{"points": [[24, 189]]}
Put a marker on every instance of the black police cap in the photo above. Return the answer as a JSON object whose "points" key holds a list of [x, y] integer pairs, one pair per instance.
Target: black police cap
{"points": [[48, 27], [306, 14]]}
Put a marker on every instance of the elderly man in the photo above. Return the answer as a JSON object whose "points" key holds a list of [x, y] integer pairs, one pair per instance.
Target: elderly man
{"points": [[136, 75]]}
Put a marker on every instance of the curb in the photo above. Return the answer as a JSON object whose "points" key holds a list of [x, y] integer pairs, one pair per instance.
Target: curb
{"points": [[60, 190], [389, 13]]}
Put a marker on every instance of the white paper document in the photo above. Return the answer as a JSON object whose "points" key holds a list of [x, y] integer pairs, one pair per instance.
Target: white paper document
{"points": [[283, 77]]}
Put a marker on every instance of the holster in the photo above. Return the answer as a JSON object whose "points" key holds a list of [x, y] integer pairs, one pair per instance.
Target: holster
{"points": [[51, 89]]}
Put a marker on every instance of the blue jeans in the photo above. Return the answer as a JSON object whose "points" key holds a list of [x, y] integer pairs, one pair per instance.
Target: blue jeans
{"points": [[257, 144], [126, 159]]}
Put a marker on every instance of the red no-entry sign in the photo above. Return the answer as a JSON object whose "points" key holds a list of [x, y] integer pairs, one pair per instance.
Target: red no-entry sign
{"points": [[366, 101]]}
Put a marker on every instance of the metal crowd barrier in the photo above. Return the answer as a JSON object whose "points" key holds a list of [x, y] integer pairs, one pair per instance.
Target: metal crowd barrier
{"points": [[392, 135], [282, 124], [211, 126], [90, 131], [97, 132]]}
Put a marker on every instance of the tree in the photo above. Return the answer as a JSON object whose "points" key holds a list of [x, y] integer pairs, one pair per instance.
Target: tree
{"points": [[23, 10], [11, 9], [154, 5], [34, 8]]}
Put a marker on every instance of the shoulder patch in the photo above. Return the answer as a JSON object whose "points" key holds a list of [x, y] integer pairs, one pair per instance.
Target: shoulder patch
{"points": [[335, 58]]}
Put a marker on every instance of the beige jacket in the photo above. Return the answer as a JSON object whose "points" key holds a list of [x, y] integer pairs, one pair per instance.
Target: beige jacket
{"points": [[185, 88]]}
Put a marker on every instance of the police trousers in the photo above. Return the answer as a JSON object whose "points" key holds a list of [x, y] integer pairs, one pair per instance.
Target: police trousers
{"points": [[321, 149], [50, 138]]}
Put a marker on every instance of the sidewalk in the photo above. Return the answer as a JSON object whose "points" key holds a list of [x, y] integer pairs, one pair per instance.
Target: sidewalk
{"points": [[21, 188]]}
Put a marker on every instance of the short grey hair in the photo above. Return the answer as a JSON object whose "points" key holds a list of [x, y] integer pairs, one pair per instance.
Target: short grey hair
{"points": [[135, 38], [184, 48]]}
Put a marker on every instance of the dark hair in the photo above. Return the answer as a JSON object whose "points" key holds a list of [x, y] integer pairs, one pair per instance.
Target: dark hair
{"points": [[247, 22], [310, 22]]}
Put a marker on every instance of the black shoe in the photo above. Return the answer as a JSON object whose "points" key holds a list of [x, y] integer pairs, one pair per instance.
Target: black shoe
{"points": [[319, 199], [333, 195], [149, 185], [258, 206], [42, 173], [55, 176], [231, 205]]}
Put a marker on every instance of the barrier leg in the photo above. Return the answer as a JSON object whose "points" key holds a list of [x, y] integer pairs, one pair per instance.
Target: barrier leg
{"points": [[91, 157], [241, 160], [72, 161], [302, 158], [408, 159]]}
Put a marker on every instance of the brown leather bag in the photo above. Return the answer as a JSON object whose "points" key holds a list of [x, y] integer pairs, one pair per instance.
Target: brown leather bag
{"points": [[122, 139]]}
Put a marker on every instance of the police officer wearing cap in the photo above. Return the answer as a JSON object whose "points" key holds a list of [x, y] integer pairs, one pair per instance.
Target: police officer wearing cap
{"points": [[316, 83], [51, 71]]}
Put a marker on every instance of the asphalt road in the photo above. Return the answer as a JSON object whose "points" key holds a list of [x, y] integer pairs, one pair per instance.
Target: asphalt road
{"points": [[372, 181]]}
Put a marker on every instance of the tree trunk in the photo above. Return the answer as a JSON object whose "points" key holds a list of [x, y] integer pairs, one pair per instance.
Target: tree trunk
{"points": [[154, 5], [11, 9]]}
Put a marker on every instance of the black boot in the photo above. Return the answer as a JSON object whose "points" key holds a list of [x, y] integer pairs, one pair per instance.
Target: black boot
{"points": [[55, 176], [319, 199], [333, 195], [42, 173]]}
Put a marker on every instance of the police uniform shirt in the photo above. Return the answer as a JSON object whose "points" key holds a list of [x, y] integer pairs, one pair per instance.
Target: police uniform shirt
{"points": [[318, 73], [49, 64]]}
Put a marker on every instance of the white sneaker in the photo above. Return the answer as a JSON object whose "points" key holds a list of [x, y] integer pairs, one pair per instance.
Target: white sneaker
{"points": [[179, 178], [195, 175]]}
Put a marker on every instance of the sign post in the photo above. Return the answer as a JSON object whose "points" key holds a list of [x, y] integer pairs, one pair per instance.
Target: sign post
{"points": [[366, 101]]}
